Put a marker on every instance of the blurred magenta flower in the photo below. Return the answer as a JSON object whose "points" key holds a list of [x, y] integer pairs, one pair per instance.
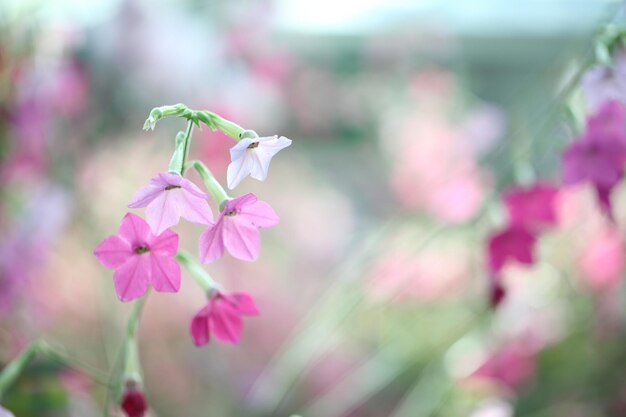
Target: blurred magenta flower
{"points": [[532, 207], [236, 229], [512, 243], [252, 156], [134, 402], [140, 258], [511, 365], [222, 317], [169, 197], [604, 83]]}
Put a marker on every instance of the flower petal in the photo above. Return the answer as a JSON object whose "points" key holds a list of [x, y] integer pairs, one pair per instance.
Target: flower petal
{"points": [[211, 245], [131, 279], [134, 229], [240, 149], [113, 251], [260, 214], [226, 323], [165, 273], [273, 144], [192, 188], [243, 303], [193, 208], [145, 196], [165, 244], [238, 169], [241, 239], [260, 164], [162, 213], [199, 327]]}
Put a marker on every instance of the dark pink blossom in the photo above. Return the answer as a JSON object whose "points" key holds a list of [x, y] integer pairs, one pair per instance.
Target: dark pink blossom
{"points": [[221, 317], [236, 229], [512, 365], [513, 243], [140, 258], [599, 162], [134, 402], [532, 207], [169, 197]]}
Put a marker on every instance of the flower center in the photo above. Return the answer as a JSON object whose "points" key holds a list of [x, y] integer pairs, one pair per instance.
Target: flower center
{"points": [[253, 145], [230, 213], [140, 250], [171, 187]]}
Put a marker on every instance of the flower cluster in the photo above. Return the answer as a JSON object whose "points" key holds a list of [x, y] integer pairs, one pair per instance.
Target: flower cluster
{"points": [[530, 211], [145, 253]]}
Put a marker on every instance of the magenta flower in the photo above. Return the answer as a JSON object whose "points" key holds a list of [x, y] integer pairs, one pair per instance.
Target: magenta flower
{"points": [[515, 243], [252, 156], [599, 162], [169, 197], [532, 207], [133, 401], [140, 258], [236, 229], [222, 318]]}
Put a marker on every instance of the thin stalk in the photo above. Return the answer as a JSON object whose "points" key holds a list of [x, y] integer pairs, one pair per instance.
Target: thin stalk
{"points": [[199, 275]]}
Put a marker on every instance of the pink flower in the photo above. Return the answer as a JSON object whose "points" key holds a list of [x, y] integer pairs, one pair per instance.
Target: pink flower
{"points": [[515, 243], [533, 207], [252, 156], [599, 162], [134, 401], [512, 365], [236, 229], [169, 197], [222, 317], [140, 258], [5, 413]]}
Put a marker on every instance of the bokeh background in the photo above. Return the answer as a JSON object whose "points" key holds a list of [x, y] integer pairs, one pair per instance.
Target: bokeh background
{"points": [[408, 119]]}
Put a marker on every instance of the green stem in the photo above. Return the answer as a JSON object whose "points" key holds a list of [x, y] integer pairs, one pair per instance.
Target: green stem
{"points": [[132, 369], [202, 278], [215, 188], [14, 369]]}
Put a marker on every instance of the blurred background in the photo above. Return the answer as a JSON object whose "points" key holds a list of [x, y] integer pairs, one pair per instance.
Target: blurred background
{"points": [[408, 119]]}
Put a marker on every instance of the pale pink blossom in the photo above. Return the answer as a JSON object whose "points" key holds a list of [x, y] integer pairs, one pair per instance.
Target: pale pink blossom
{"points": [[140, 258], [5, 413], [221, 317], [602, 261], [169, 197], [252, 156], [236, 229]]}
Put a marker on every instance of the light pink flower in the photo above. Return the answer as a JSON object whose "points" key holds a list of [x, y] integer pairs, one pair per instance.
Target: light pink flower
{"points": [[604, 83], [140, 258], [5, 413], [169, 197], [222, 318], [236, 229], [252, 156]]}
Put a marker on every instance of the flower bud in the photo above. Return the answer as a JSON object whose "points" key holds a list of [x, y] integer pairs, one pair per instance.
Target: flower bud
{"points": [[133, 400]]}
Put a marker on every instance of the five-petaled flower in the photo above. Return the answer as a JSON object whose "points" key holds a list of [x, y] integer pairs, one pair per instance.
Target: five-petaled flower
{"points": [[140, 258], [236, 229], [169, 197], [221, 317], [252, 156]]}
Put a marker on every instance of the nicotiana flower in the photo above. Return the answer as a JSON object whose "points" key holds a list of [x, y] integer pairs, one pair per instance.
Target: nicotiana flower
{"points": [[169, 197], [252, 156], [515, 243], [236, 229], [221, 317], [139, 258], [532, 207]]}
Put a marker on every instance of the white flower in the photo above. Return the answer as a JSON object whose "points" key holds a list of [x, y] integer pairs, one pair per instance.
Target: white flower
{"points": [[5, 413], [252, 156]]}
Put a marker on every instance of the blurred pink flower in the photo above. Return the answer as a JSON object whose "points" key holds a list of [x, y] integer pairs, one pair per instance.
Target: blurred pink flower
{"points": [[140, 258], [252, 156], [604, 83], [169, 197], [602, 261], [222, 317], [532, 207], [515, 243], [511, 365], [236, 229]]}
